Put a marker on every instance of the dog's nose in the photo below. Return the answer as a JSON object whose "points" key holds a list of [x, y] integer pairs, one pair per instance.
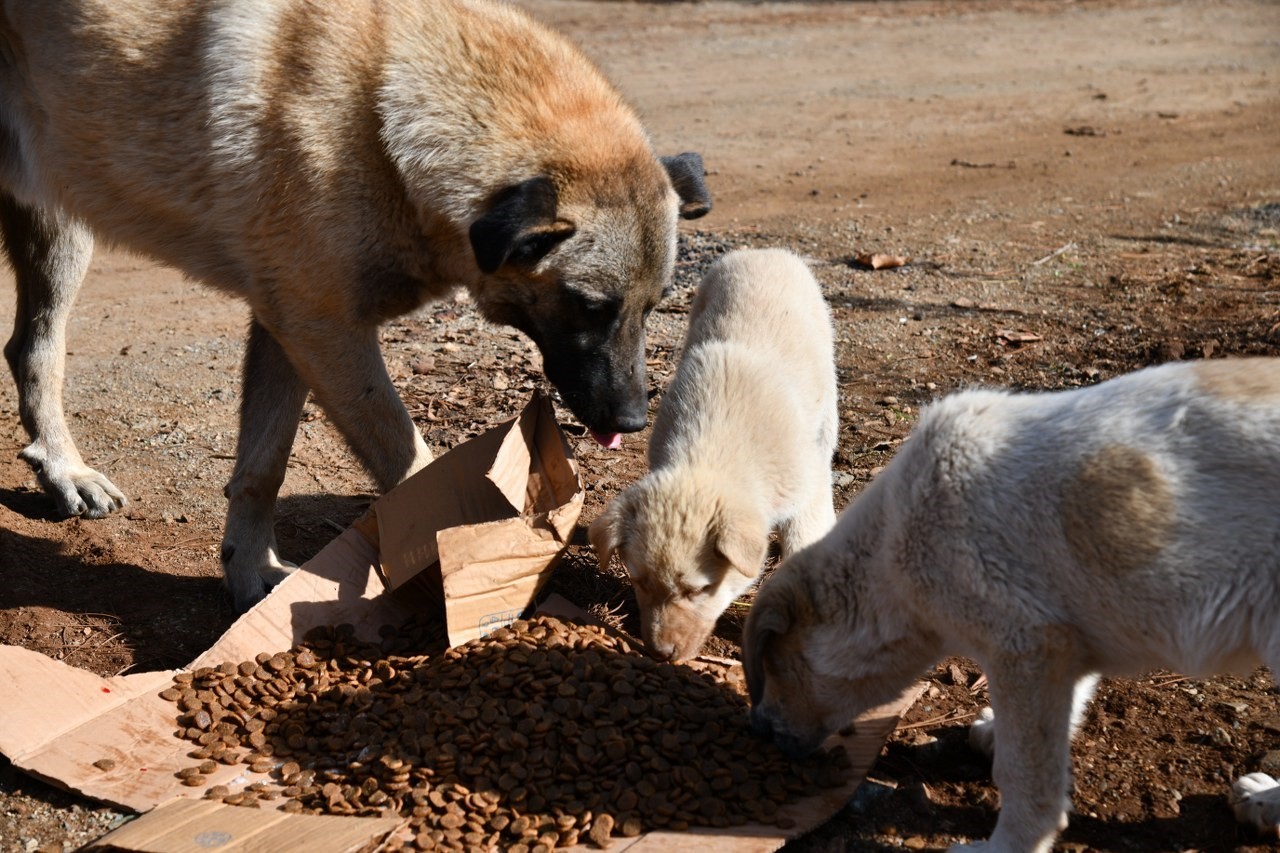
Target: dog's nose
{"points": [[631, 420], [663, 651], [760, 725]]}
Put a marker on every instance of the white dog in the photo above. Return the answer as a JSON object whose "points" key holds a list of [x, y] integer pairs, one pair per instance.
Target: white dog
{"points": [[1124, 527], [741, 446]]}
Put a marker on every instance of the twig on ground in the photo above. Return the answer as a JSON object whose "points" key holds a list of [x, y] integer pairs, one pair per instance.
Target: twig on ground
{"points": [[1058, 251]]}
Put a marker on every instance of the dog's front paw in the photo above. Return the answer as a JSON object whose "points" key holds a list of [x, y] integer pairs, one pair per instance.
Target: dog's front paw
{"points": [[249, 583], [982, 733], [1255, 799], [77, 489]]}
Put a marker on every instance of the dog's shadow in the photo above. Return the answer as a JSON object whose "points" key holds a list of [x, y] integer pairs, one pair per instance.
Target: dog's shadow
{"points": [[89, 606]]}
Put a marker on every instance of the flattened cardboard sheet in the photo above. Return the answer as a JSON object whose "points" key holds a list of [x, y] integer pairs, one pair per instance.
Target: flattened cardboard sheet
{"points": [[521, 498], [197, 826]]}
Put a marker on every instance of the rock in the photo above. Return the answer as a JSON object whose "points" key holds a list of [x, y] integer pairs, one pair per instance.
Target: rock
{"points": [[1269, 763], [868, 797]]}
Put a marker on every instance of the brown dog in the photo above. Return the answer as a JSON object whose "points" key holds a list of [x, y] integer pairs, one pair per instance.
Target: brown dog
{"points": [[334, 164]]}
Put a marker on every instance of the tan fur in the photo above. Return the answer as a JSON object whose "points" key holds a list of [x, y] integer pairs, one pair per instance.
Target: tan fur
{"points": [[741, 446], [334, 163], [1117, 511], [1053, 538], [1239, 380]]}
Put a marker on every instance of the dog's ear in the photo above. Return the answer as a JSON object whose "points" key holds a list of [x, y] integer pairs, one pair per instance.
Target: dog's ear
{"points": [[739, 542], [605, 533], [520, 227], [687, 173], [768, 618]]}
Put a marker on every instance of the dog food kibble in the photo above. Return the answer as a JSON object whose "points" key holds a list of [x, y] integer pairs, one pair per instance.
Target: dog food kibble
{"points": [[539, 736]]}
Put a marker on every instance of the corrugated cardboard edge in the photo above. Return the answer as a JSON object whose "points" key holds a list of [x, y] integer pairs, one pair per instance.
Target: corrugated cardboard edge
{"points": [[196, 826]]}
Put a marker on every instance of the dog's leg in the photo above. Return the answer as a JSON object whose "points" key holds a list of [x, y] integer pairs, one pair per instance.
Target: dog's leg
{"points": [[270, 408], [815, 520], [982, 732], [350, 380], [1255, 797], [1032, 766], [50, 255]]}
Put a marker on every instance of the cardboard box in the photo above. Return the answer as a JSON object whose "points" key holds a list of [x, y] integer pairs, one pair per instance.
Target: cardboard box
{"points": [[480, 559]]}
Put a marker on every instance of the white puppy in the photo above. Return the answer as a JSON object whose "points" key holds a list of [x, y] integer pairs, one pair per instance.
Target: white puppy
{"points": [[1115, 529], [741, 446]]}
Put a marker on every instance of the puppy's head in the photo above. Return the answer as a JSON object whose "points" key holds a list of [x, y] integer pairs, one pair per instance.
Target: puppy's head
{"points": [[690, 551], [814, 658], [576, 259]]}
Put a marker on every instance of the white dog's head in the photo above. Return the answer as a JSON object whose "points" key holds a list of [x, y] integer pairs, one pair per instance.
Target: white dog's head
{"points": [[817, 652], [691, 549]]}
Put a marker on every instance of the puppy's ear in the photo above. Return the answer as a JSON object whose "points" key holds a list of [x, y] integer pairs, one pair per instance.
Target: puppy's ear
{"points": [[739, 541], [520, 227], [687, 173], [768, 618], [605, 533]]}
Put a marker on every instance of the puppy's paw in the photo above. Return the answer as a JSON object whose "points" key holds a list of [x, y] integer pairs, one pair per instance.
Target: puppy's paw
{"points": [[982, 733], [1255, 799]]}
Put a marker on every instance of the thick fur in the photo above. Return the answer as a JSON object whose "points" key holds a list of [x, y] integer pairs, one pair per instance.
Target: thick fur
{"points": [[1051, 537], [741, 446], [334, 164]]}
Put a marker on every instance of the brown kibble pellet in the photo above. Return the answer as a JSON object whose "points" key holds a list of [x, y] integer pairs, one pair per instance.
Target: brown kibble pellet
{"points": [[195, 780], [601, 830], [105, 764]]}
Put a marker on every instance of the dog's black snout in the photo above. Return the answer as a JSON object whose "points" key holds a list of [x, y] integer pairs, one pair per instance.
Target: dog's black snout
{"points": [[760, 725], [631, 421]]}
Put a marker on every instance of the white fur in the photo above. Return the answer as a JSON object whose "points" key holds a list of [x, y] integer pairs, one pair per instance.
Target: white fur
{"points": [[1255, 799], [1051, 537], [741, 446]]}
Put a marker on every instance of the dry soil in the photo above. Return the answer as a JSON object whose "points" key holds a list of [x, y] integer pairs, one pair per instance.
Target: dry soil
{"points": [[1080, 189]]}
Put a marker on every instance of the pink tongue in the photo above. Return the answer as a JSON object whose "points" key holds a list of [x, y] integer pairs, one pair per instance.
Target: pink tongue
{"points": [[612, 440]]}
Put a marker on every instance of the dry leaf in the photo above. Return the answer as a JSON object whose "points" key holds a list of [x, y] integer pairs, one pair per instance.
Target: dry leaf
{"points": [[877, 261], [1016, 337]]}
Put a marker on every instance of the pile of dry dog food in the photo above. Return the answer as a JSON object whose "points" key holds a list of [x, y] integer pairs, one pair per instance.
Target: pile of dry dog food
{"points": [[539, 736]]}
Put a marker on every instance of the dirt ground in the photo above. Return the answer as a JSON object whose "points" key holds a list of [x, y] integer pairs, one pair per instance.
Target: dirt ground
{"points": [[1081, 189]]}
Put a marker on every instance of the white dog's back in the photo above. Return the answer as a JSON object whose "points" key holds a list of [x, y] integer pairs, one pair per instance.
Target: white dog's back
{"points": [[1155, 497], [759, 357]]}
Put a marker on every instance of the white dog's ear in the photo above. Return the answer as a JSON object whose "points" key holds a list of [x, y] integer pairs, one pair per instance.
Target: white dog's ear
{"points": [[605, 533], [769, 617], [740, 542]]}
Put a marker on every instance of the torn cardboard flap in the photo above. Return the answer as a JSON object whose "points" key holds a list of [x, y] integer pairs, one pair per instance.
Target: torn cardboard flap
{"points": [[521, 470], [481, 528]]}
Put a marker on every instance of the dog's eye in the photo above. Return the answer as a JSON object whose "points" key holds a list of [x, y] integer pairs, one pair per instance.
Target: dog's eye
{"points": [[599, 308], [694, 592]]}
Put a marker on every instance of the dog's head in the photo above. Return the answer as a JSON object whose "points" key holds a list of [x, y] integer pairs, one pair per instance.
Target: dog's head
{"points": [[577, 260], [814, 659], [690, 551]]}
